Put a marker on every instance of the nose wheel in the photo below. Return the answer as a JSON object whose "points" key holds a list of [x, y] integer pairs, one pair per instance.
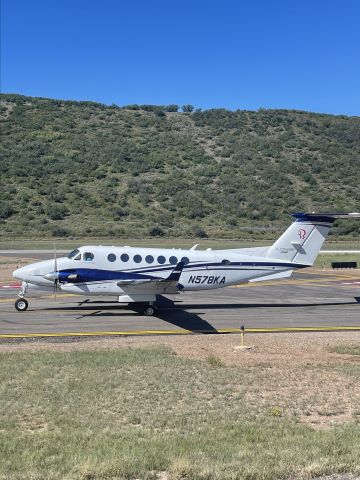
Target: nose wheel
{"points": [[21, 304]]}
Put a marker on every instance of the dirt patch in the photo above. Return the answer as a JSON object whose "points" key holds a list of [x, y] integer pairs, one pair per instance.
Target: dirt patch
{"points": [[8, 265]]}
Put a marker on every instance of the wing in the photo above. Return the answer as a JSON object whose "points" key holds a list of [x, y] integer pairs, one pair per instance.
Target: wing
{"points": [[155, 285]]}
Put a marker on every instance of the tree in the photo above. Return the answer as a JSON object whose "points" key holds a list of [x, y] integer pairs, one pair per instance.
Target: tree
{"points": [[187, 108], [171, 108]]}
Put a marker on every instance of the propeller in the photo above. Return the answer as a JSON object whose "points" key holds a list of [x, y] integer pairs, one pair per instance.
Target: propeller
{"points": [[56, 277]]}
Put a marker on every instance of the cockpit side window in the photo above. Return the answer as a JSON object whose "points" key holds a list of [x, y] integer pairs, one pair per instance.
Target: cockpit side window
{"points": [[74, 254], [88, 256]]}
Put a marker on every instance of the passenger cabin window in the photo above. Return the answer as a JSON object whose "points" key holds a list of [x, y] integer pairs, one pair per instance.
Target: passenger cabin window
{"points": [[137, 258], [74, 254], [173, 260], [149, 259], [185, 260], [88, 256], [226, 262], [111, 257], [161, 259], [124, 257]]}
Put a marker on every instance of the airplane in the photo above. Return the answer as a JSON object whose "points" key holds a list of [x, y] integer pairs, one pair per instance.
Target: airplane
{"points": [[138, 275]]}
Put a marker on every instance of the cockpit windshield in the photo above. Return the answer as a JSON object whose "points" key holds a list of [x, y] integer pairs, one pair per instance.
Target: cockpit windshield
{"points": [[74, 254]]}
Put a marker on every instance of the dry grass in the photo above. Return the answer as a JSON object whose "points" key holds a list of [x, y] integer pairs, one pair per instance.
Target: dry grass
{"points": [[181, 408], [290, 368]]}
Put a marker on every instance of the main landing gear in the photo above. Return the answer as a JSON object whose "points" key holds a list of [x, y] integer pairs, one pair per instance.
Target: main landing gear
{"points": [[21, 303], [150, 309]]}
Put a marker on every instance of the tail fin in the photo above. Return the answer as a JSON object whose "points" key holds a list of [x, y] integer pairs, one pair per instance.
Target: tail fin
{"points": [[302, 241]]}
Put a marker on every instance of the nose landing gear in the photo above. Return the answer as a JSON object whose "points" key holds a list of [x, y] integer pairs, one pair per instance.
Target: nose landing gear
{"points": [[21, 304]]}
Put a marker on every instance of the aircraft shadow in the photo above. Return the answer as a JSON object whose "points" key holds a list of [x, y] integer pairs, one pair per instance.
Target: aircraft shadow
{"points": [[175, 312], [167, 312], [215, 306]]}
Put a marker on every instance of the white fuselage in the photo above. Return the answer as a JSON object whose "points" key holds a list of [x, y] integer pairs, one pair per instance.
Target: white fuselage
{"points": [[100, 269]]}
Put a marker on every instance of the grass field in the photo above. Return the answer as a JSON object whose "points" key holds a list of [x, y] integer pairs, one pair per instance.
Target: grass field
{"points": [[147, 413], [325, 259]]}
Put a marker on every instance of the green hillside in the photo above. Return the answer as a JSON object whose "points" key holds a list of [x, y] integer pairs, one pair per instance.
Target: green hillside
{"points": [[86, 169]]}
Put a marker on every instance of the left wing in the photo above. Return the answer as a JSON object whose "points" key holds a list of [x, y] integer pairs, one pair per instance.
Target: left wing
{"points": [[155, 284]]}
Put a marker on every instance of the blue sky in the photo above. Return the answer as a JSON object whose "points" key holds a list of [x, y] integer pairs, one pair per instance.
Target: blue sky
{"points": [[298, 54]]}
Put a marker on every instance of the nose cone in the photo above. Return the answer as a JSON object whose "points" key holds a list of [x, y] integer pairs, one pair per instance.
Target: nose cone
{"points": [[20, 273], [39, 273], [34, 273]]}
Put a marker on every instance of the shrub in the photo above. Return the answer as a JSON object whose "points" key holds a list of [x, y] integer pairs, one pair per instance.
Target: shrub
{"points": [[156, 231], [6, 210], [199, 232], [56, 212], [60, 231]]}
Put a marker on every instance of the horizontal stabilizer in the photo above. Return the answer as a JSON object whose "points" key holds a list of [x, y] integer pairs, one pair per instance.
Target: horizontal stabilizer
{"points": [[322, 217], [274, 276]]}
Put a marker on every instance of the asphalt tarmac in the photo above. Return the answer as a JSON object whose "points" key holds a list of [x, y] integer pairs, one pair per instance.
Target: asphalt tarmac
{"points": [[310, 300]]}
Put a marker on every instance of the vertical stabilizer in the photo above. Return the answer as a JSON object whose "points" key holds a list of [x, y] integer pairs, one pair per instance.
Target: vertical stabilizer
{"points": [[302, 241]]}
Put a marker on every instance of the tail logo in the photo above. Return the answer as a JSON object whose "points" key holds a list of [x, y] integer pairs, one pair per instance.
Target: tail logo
{"points": [[302, 234]]}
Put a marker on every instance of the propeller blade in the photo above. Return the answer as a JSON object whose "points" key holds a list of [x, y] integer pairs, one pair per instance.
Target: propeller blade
{"points": [[55, 259], [56, 279]]}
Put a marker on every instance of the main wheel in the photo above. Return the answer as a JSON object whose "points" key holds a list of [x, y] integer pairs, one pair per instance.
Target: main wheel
{"points": [[149, 310], [21, 304]]}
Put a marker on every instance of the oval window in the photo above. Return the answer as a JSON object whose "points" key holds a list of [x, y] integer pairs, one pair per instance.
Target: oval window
{"points": [[149, 259], [137, 258], [161, 259], [124, 257], [185, 260], [173, 260], [111, 257]]}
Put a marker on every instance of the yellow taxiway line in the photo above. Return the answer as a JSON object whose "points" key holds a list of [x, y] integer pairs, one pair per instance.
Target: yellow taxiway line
{"points": [[182, 332], [59, 297]]}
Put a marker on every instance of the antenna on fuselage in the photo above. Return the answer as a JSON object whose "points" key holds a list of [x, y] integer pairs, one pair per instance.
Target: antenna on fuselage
{"points": [[194, 246]]}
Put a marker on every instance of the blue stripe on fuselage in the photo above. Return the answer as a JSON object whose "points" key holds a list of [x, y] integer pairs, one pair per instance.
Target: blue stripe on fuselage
{"points": [[94, 275], [85, 275]]}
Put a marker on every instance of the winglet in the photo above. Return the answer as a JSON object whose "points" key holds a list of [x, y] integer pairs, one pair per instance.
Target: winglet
{"points": [[175, 274]]}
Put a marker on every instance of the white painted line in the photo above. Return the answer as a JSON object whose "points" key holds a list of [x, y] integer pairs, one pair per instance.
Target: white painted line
{"points": [[339, 251]]}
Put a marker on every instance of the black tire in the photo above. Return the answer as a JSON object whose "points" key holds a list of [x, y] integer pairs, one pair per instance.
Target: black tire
{"points": [[149, 311], [21, 304]]}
